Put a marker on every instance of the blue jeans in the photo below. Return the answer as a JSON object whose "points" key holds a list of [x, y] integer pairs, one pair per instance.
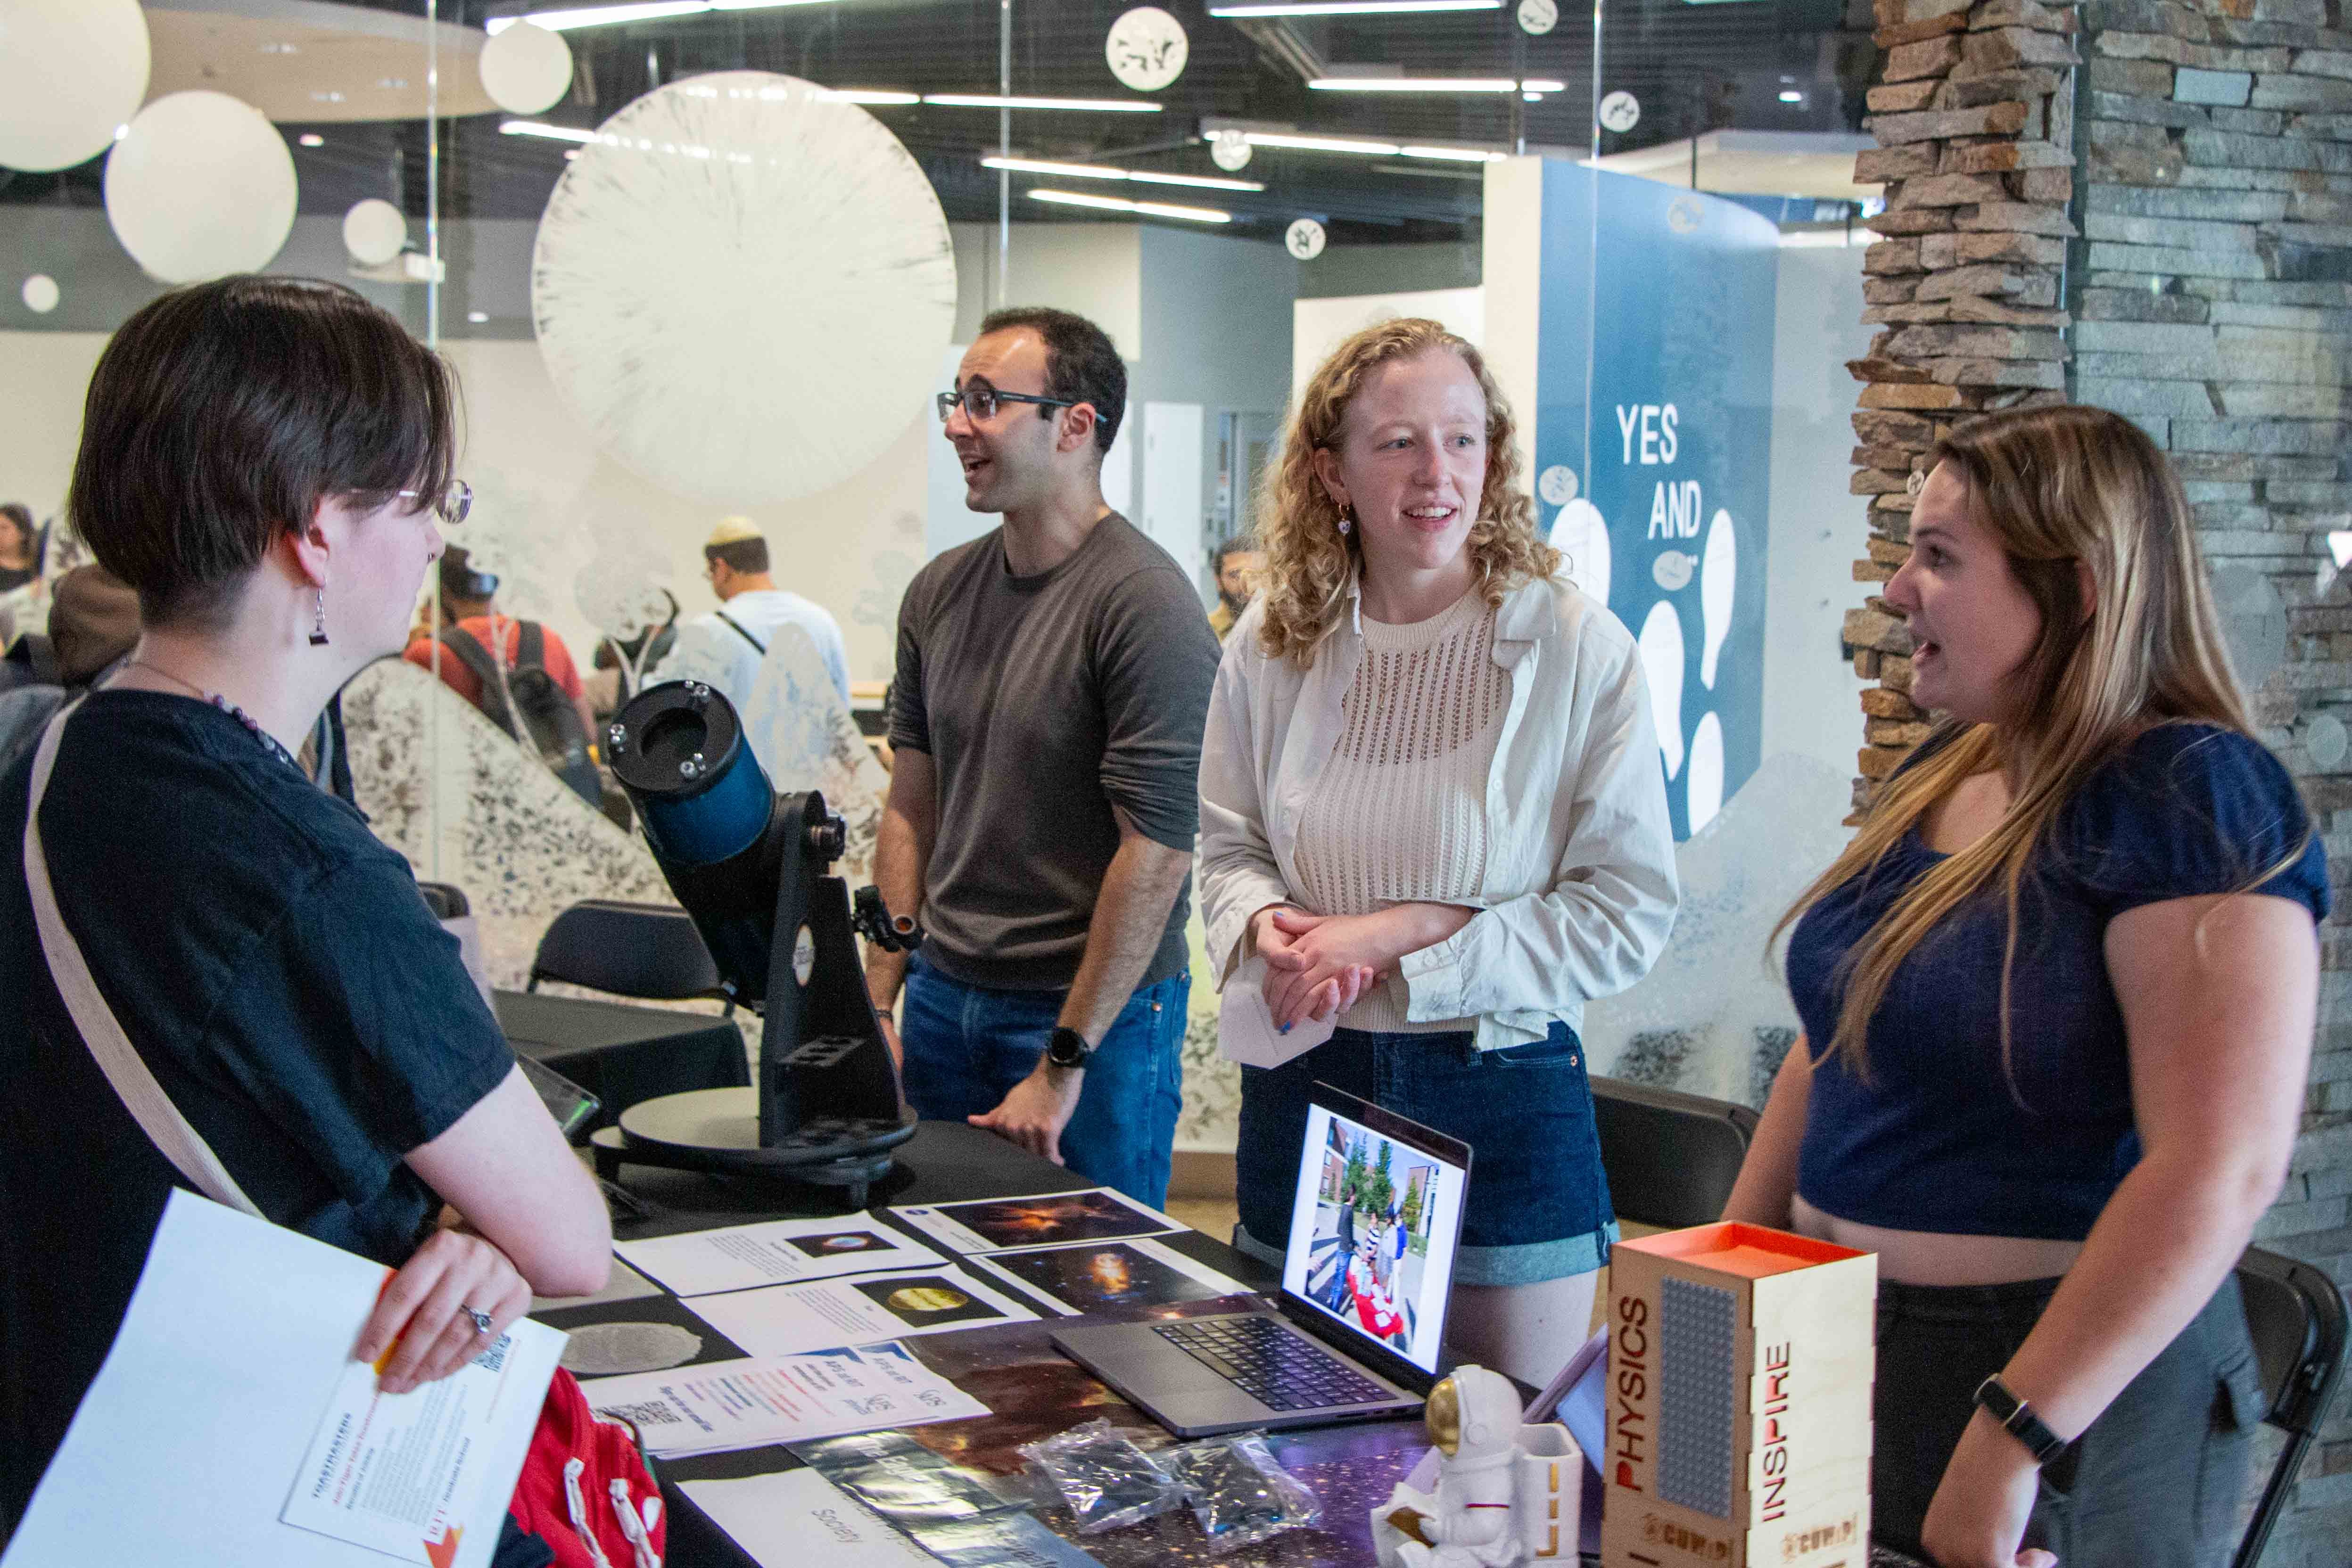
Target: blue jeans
{"points": [[967, 1046]]}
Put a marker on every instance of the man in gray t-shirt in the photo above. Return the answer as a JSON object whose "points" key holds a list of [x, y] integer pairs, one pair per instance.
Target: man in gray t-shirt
{"points": [[1052, 688]]}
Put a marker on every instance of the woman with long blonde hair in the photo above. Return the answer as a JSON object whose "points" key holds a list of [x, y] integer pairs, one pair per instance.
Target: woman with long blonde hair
{"points": [[2058, 997], [1432, 809]]}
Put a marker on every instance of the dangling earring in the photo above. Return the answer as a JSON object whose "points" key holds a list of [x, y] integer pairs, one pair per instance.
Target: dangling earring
{"points": [[318, 627], [1347, 517]]}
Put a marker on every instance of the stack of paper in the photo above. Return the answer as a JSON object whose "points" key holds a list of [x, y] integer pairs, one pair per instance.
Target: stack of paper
{"points": [[730, 1405]]}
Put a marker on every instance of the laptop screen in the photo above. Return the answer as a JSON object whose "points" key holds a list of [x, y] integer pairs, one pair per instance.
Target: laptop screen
{"points": [[1374, 1224]]}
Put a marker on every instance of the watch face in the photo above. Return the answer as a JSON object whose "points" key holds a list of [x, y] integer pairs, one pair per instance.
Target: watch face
{"points": [[1067, 1048]]}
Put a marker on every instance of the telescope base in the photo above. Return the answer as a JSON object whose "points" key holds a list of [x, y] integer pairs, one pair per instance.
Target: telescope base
{"points": [[717, 1131]]}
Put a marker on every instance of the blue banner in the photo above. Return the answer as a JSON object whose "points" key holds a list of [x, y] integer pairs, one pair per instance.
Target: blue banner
{"points": [[1653, 440]]}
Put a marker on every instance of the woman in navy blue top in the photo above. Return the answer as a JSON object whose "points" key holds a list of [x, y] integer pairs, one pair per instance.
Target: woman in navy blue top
{"points": [[2058, 997]]}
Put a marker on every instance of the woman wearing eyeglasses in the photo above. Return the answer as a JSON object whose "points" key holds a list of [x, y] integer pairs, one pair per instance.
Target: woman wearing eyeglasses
{"points": [[262, 460]]}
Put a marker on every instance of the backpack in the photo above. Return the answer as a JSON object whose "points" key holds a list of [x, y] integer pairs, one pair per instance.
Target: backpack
{"points": [[585, 1490], [549, 724]]}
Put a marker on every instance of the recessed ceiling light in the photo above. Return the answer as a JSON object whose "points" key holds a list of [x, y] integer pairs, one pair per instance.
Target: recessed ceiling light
{"points": [[999, 100], [313, 139], [478, 317], [1146, 209], [1792, 97]]}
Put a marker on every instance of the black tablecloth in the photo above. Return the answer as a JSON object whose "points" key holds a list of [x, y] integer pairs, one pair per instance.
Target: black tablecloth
{"points": [[624, 1054]]}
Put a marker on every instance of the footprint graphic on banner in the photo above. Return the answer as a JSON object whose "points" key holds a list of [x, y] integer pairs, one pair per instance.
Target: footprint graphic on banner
{"points": [[1717, 577], [1703, 789], [1662, 662], [1581, 534]]}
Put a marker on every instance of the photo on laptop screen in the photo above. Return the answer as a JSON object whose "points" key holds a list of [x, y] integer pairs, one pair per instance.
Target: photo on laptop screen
{"points": [[1372, 1233]]}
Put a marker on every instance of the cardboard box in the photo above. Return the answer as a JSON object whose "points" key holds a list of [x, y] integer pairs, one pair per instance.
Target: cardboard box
{"points": [[1740, 1366]]}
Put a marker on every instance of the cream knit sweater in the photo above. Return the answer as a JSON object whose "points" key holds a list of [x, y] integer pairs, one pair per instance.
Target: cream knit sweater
{"points": [[1400, 814]]}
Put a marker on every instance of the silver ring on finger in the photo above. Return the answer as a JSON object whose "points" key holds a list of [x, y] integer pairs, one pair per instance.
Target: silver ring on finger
{"points": [[482, 1321]]}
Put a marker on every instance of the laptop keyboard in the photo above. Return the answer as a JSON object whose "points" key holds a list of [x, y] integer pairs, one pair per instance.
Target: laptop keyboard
{"points": [[1282, 1369]]}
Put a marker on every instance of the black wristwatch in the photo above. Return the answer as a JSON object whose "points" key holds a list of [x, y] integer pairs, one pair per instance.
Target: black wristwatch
{"points": [[2017, 1419], [1068, 1048]]}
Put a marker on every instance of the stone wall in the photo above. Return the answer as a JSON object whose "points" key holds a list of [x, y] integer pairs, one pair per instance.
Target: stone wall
{"points": [[2204, 153]]}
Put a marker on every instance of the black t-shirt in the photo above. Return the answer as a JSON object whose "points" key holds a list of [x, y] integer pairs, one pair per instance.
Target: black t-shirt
{"points": [[279, 974], [1045, 701]]}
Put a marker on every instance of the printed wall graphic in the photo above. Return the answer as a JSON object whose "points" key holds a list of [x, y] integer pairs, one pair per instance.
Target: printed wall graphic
{"points": [[1146, 48], [1663, 416]]}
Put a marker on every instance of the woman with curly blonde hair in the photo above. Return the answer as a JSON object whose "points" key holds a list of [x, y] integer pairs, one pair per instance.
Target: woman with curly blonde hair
{"points": [[1432, 811]]}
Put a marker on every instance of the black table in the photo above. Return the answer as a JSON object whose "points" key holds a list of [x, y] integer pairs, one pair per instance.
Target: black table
{"points": [[623, 1054]]}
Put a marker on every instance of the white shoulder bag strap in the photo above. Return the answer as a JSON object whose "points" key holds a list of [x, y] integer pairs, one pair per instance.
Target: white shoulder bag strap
{"points": [[117, 1057]]}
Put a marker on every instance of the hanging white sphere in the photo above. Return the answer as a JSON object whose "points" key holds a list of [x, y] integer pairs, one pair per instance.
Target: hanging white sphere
{"points": [[201, 185], [526, 68], [374, 230], [72, 72], [1305, 238], [1229, 150], [720, 232], [1146, 48], [40, 292]]}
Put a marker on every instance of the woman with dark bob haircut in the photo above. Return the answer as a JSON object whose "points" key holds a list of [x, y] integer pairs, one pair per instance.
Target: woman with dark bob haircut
{"points": [[2058, 998], [264, 460]]}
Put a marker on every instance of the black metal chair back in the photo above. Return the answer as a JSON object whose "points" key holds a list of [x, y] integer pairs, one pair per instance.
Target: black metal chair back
{"points": [[2298, 1319], [1671, 1157], [650, 951]]}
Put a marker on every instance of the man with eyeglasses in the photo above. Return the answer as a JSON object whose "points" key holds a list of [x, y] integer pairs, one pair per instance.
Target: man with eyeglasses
{"points": [[1052, 684], [724, 648]]}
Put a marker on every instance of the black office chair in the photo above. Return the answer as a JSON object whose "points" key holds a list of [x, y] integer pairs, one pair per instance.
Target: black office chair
{"points": [[446, 900], [650, 951], [2298, 1319], [1672, 1157]]}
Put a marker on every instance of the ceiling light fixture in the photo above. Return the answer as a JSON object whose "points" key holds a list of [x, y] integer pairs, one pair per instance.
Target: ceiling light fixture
{"points": [[539, 127], [1321, 144], [869, 95], [1353, 8], [1145, 209], [313, 139], [1792, 97], [999, 100], [1432, 84], [570, 16], [1104, 171], [1458, 154]]}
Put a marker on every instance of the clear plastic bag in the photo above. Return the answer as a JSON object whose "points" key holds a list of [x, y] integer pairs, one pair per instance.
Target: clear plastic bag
{"points": [[1106, 1480], [1239, 1491]]}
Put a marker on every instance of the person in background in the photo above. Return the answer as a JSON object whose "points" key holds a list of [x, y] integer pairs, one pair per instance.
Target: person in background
{"points": [[93, 623], [1053, 675], [1432, 809], [609, 687], [20, 547], [2058, 998], [469, 604], [262, 460], [1239, 561], [723, 648]]}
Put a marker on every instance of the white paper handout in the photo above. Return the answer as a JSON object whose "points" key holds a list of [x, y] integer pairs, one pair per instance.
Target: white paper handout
{"points": [[198, 1431], [1002, 1224], [728, 1405], [390, 1471], [1245, 1031], [774, 1253], [792, 1319], [791, 1518], [1104, 1276]]}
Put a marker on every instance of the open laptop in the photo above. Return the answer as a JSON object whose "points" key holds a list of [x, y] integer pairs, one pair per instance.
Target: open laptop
{"points": [[1375, 1221]]}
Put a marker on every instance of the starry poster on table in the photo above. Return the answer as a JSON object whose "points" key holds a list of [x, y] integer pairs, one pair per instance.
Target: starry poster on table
{"points": [[774, 1253], [1002, 1224], [792, 1319], [1099, 1276]]}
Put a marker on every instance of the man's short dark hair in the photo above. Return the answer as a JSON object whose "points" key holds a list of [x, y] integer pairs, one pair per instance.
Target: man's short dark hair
{"points": [[1081, 364], [748, 556], [221, 414], [1237, 544]]}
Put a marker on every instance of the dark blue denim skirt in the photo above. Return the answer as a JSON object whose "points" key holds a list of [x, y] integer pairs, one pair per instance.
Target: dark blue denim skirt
{"points": [[1539, 1203]]}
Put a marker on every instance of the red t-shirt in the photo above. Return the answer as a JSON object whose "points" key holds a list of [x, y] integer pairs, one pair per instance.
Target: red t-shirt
{"points": [[459, 679]]}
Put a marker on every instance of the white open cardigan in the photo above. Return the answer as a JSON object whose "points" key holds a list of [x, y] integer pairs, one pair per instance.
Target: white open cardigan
{"points": [[1579, 892]]}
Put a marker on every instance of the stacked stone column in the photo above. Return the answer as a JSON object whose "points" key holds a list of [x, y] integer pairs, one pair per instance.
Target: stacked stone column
{"points": [[1974, 117]]}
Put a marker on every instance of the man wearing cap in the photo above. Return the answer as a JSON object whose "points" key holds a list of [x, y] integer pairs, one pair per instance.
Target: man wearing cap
{"points": [[1053, 683], [724, 648]]}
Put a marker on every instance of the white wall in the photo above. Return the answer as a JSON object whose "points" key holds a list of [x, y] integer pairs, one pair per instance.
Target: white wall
{"points": [[1319, 326], [42, 378], [1810, 694]]}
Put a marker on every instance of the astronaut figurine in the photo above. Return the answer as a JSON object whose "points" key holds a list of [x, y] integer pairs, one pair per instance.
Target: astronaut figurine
{"points": [[1474, 1419]]}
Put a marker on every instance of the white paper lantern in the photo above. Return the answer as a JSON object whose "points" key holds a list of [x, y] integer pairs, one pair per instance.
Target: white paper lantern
{"points": [[374, 230], [201, 185], [744, 290], [72, 72], [1146, 48], [40, 292], [526, 68]]}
